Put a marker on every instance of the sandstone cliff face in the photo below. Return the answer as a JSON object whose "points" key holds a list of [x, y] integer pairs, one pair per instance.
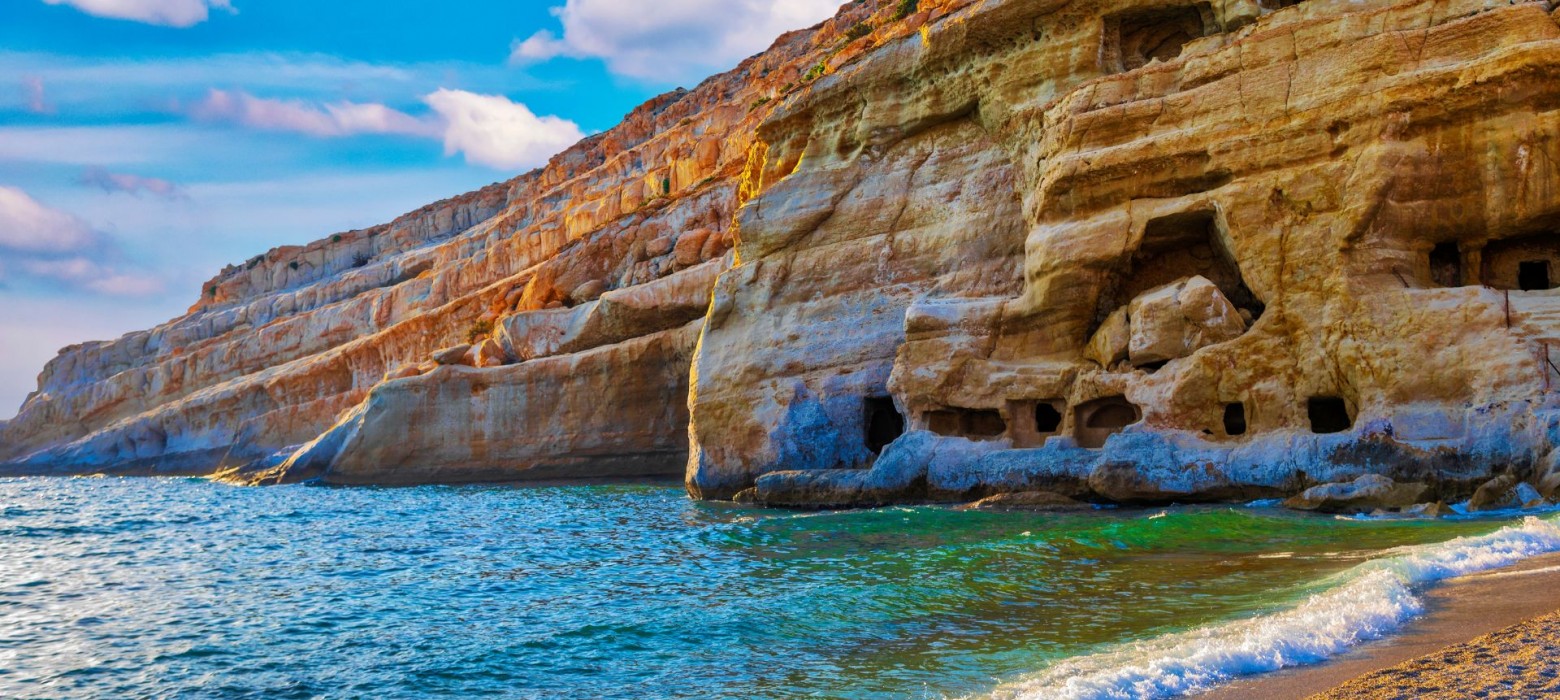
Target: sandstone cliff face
{"points": [[1127, 250], [1262, 247]]}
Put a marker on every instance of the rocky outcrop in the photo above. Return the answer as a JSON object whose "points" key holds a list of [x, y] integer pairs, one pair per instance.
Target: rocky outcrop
{"points": [[1124, 250]]}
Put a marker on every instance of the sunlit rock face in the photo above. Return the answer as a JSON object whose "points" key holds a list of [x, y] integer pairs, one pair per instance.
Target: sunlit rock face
{"points": [[1263, 246], [1115, 250]]}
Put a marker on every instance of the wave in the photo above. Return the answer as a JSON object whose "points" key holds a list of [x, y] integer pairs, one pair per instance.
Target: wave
{"points": [[1366, 602]]}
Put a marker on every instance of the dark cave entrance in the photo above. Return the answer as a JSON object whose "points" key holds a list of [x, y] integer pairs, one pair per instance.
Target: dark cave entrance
{"points": [[884, 424], [1048, 419], [1533, 276], [967, 422], [1446, 265], [1235, 419], [1329, 414]]}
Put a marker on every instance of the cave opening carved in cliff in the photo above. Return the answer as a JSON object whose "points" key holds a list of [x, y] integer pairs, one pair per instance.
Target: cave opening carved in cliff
{"points": [[1135, 39], [1524, 263], [1446, 268], [981, 424], [1099, 419], [1329, 414], [883, 422], [1174, 248]]}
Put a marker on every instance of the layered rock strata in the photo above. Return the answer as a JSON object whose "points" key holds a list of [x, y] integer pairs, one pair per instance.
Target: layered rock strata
{"points": [[1134, 251]]}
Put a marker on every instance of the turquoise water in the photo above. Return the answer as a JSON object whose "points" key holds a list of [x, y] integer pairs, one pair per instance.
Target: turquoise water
{"points": [[190, 589]]}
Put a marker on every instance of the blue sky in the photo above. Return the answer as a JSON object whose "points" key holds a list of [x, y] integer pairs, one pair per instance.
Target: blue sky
{"points": [[144, 144]]}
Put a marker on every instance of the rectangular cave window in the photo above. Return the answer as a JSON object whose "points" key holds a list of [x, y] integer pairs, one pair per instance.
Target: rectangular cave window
{"points": [[1533, 276], [1235, 419], [1329, 414], [1446, 265], [1102, 418], [1135, 39], [966, 422], [1048, 420], [884, 424]]}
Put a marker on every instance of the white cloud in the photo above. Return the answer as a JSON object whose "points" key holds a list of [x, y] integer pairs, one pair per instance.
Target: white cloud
{"points": [[27, 226], [489, 130], [674, 40], [39, 244], [338, 119], [130, 184], [494, 131], [169, 13]]}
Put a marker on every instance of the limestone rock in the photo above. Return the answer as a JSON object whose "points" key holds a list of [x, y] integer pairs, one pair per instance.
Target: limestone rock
{"points": [[1505, 492], [457, 355], [488, 353], [1363, 495], [1112, 342], [1177, 320]]}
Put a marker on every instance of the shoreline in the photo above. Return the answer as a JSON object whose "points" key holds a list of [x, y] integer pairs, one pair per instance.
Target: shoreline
{"points": [[1460, 637]]}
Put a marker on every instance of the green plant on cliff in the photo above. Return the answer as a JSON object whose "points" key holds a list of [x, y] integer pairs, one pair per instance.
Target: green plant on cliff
{"points": [[857, 30], [907, 8], [817, 71], [336, 238], [479, 331], [759, 103], [666, 186]]}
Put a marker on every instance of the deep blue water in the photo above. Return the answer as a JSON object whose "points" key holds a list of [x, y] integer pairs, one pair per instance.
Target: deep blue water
{"points": [[184, 588]]}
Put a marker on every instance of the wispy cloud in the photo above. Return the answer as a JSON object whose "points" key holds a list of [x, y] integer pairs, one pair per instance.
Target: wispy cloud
{"points": [[33, 91], [168, 13], [130, 184], [677, 40], [44, 245], [328, 120], [490, 130]]}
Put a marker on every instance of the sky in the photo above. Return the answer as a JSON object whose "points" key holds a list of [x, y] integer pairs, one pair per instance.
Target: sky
{"points": [[145, 144]]}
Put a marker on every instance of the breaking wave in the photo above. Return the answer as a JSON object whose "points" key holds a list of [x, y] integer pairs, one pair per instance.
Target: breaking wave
{"points": [[1364, 603]]}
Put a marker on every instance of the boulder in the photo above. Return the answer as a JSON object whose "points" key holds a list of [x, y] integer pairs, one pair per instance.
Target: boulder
{"points": [[452, 356], [1363, 495], [488, 353], [1179, 319], [1505, 492], [1549, 477], [1110, 343], [588, 292], [1030, 500], [690, 247]]}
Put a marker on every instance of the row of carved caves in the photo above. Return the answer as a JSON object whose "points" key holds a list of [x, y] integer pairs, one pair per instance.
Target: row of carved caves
{"points": [[1030, 423], [1525, 263]]}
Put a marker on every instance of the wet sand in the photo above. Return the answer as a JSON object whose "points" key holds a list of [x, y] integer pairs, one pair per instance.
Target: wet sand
{"points": [[1490, 635]]}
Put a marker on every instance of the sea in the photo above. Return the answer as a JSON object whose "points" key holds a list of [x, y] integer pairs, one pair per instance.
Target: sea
{"points": [[187, 588]]}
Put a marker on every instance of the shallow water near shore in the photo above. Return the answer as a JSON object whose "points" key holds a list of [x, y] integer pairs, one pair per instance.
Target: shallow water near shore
{"points": [[186, 588]]}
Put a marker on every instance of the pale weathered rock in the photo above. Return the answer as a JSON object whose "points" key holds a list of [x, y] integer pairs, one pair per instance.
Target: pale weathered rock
{"points": [[1179, 319], [458, 355], [1112, 342], [1363, 495], [1505, 492]]}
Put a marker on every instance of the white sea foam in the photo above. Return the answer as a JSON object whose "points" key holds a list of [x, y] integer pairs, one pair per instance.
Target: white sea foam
{"points": [[1368, 601]]}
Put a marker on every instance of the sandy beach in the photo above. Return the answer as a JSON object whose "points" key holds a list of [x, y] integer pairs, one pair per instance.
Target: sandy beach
{"points": [[1491, 635]]}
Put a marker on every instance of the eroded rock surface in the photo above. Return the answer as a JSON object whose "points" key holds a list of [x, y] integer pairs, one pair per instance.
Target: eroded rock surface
{"points": [[990, 247]]}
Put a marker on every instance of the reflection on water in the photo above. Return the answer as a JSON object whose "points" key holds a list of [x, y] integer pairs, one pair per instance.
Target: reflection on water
{"points": [[135, 588]]}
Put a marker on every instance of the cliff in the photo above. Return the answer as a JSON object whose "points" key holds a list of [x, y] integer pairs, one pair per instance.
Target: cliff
{"points": [[1123, 250]]}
